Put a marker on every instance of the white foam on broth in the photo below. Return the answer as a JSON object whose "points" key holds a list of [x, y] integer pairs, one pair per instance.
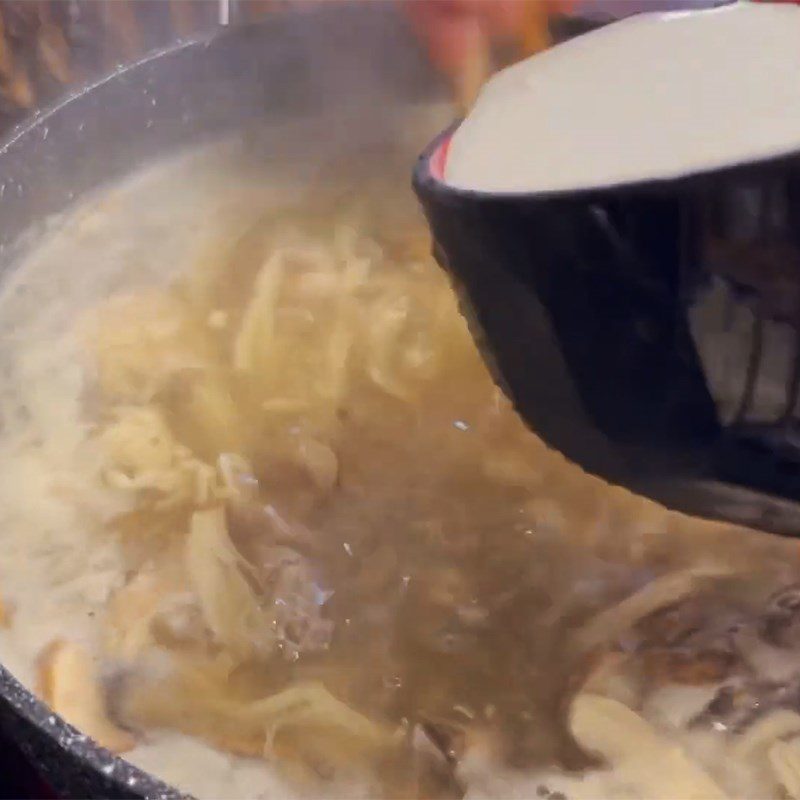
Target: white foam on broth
{"points": [[56, 571]]}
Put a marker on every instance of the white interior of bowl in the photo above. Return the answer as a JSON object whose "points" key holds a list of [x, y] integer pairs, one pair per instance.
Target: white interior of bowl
{"points": [[655, 96]]}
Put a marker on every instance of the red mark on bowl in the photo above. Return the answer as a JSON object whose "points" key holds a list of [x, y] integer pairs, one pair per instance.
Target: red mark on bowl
{"points": [[439, 159]]}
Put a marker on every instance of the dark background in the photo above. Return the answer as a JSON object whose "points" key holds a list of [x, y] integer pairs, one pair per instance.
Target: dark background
{"points": [[18, 779]]}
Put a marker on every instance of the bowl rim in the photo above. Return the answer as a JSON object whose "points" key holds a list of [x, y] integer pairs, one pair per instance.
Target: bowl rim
{"points": [[662, 187]]}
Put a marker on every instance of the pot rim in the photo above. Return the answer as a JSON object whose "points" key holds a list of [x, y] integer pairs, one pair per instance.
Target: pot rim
{"points": [[118, 775]]}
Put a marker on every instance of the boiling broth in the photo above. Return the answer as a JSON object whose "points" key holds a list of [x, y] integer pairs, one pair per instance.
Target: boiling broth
{"points": [[400, 539], [277, 505]]}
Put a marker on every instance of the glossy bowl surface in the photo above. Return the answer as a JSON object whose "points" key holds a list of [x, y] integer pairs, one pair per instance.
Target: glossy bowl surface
{"points": [[647, 330]]}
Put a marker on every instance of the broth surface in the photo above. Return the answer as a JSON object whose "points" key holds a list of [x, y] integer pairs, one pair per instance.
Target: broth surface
{"points": [[285, 527]]}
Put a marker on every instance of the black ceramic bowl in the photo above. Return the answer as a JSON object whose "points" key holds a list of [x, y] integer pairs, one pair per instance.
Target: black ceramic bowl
{"points": [[648, 331]]}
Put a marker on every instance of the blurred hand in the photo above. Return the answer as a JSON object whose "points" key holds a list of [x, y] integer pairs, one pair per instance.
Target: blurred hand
{"points": [[456, 32]]}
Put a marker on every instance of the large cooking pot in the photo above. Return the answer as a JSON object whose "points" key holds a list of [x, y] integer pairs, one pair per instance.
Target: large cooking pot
{"points": [[344, 76], [355, 64]]}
